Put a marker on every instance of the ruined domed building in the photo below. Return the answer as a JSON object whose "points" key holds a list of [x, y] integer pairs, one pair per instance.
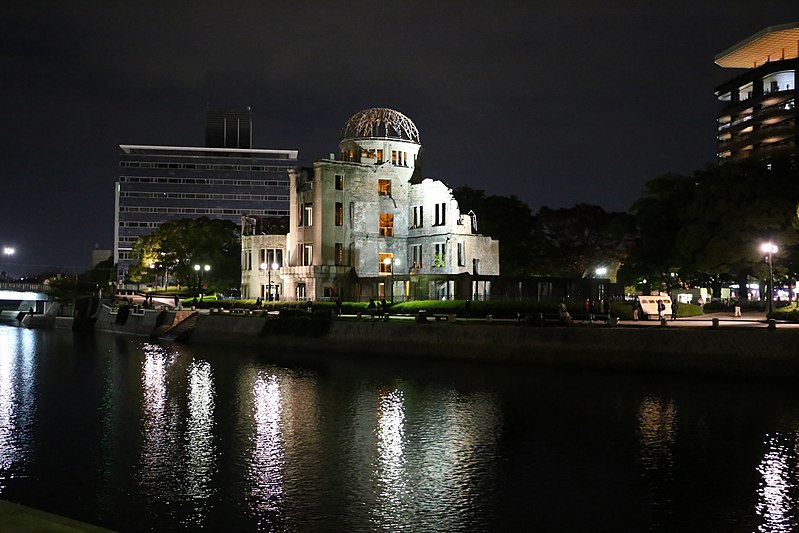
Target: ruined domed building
{"points": [[365, 224]]}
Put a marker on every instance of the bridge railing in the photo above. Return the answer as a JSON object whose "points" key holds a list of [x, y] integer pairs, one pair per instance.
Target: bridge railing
{"points": [[16, 286]]}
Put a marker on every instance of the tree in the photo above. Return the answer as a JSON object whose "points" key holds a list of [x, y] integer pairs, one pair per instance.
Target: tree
{"points": [[505, 218], [708, 227], [574, 241], [177, 245], [737, 207], [658, 216]]}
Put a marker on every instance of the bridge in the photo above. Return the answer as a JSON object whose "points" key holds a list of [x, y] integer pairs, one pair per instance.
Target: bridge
{"points": [[23, 297]]}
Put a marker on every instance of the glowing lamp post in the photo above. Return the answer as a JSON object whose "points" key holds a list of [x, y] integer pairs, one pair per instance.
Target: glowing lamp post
{"points": [[390, 267], [769, 249], [601, 271], [199, 269], [269, 268], [8, 251]]}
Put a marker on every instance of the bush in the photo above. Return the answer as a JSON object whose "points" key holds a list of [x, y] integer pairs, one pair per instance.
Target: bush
{"points": [[788, 313]]}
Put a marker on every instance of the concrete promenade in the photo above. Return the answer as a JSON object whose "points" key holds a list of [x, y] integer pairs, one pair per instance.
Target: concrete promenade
{"points": [[16, 518]]}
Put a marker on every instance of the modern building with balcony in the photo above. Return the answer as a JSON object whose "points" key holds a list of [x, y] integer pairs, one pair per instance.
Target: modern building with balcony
{"points": [[364, 223], [758, 117], [160, 183]]}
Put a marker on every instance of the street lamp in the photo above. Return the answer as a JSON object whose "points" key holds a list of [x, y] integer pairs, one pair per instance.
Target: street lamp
{"points": [[769, 249], [8, 251], [269, 268], [601, 271], [390, 265], [199, 269]]}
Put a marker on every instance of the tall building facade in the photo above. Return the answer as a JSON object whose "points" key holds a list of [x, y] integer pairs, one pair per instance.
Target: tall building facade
{"points": [[160, 183], [365, 224], [758, 115]]}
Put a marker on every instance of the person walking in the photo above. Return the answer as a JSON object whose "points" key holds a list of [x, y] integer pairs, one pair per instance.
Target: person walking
{"points": [[737, 307], [675, 306], [636, 308], [661, 308]]}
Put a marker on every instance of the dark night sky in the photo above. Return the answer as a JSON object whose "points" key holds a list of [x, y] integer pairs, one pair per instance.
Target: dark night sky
{"points": [[556, 102]]}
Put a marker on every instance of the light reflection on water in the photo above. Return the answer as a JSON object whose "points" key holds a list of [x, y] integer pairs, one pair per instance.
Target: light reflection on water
{"points": [[178, 453], [268, 449], [160, 431], [187, 438], [17, 401], [427, 452], [394, 499], [200, 450], [776, 493], [657, 433]]}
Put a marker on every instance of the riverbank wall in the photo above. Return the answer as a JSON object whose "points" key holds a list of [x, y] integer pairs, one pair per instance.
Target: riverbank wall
{"points": [[137, 320], [738, 351], [751, 352]]}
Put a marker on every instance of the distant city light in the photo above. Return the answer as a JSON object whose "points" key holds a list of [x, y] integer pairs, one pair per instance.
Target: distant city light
{"points": [[8, 250]]}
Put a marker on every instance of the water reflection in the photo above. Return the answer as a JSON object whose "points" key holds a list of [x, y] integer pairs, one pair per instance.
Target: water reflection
{"points": [[17, 400], [458, 455], [200, 450], [393, 501], [158, 454], [775, 495], [657, 431], [267, 457], [428, 452]]}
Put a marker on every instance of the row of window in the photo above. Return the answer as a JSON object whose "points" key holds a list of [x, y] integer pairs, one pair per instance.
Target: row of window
{"points": [[398, 158], [200, 166], [204, 181], [268, 259], [386, 220], [138, 224], [202, 211], [272, 258], [772, 83], [203, 196]]}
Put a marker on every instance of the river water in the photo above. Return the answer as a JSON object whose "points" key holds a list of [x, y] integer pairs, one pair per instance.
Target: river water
{"points": [[140, 436]]}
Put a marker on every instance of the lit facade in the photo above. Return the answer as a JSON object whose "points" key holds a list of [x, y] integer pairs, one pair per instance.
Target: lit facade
{"points": [[365, 224], [758, 118]]}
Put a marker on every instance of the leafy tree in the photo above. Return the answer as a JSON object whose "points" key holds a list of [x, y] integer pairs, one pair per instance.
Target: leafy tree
{"points": [[658, 215], [506, 218], [574, 241], [177, 245], [708, 227], [737, 207]]}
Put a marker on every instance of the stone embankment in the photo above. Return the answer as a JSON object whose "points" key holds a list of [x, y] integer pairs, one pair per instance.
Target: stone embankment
{"points": [[741, 351]]}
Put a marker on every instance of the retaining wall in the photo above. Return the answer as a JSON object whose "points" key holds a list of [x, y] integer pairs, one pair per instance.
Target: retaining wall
{"points": [[144, 322], [749, 352]]}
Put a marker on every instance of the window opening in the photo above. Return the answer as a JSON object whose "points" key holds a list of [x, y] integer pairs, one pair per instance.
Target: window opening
{"points": [[386, 225]]}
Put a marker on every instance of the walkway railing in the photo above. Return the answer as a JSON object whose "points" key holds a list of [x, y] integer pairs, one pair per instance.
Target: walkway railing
{"points": [[16, 286]]}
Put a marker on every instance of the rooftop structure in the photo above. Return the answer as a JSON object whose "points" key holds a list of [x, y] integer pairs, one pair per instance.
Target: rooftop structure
{"points": [[775, 43], [758, 117], [229, 128]]}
